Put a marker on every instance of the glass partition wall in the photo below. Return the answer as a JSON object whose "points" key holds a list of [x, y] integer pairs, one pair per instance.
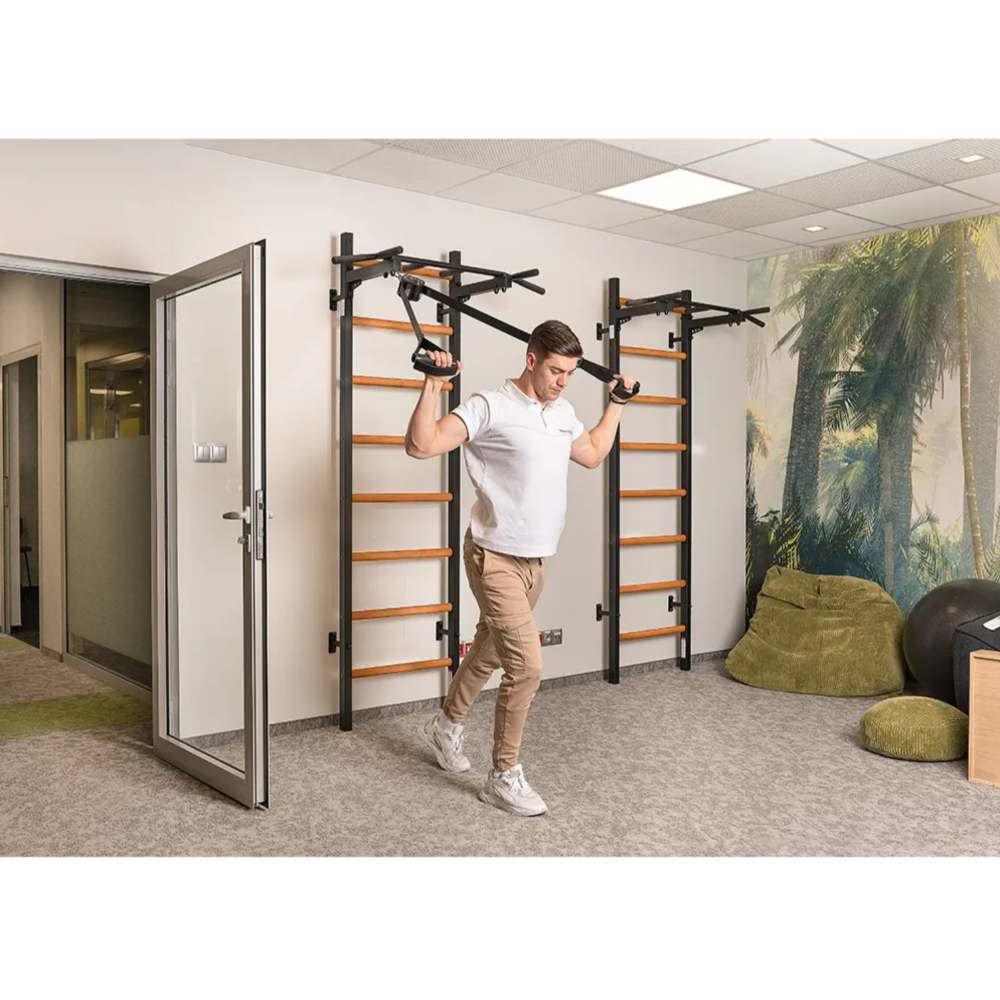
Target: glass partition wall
{"points": [[108, 503]]}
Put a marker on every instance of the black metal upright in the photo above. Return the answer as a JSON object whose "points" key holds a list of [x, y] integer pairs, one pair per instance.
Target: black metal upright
{"points": [[614, 502], [346, 487], [455, 560], [686, 483]]}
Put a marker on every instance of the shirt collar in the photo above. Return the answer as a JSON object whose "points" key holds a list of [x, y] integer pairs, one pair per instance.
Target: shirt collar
{"points": [[522, 397]]}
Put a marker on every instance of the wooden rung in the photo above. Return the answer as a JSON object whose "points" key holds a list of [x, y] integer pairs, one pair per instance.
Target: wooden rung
{"points": [[648, 352], [661, 400], [377, 439], [401, 554], [651, 446], [652, 493], [396, 324], [423, 272], [426, 609], [635, 588], [395, 383], [649, 633], [400, 497], [652, 539], [400, 668]]}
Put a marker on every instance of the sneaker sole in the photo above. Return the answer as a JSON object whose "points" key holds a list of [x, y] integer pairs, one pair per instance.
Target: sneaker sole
{"points": [[445, 766], [506, 806]]}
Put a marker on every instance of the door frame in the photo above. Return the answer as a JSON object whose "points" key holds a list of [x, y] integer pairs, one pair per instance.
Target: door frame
{"points": [[13, 358], [47, 267]]}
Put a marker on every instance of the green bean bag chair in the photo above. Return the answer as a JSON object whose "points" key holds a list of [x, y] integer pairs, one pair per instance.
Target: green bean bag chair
{"points": [[832, 635], [913, 728]]}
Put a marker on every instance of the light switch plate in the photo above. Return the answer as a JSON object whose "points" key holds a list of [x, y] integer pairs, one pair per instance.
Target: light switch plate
{"points": [[202, 453], [218, 452]]}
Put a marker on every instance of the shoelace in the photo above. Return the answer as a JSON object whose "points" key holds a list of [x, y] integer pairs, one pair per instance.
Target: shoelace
{"points": [[519, 784], [456, 739]]}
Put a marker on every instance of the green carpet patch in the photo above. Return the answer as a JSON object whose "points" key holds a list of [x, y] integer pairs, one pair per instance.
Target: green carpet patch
{"points": [[83, 711]]}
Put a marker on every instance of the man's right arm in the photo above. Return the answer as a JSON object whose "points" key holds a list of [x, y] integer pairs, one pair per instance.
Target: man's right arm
{"points": [[426, 436]]}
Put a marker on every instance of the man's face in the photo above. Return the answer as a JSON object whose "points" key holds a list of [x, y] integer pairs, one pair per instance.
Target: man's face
{"points": [[550, 375]]}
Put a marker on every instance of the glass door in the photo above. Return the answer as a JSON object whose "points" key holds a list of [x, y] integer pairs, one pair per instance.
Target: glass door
{"points": [[210, 523]]}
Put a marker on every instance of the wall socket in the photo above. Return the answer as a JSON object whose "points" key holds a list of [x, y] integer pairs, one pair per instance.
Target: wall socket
{"points": [[550, 637]]}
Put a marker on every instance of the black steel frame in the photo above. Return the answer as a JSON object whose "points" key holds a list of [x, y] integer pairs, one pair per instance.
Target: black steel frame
{"points": [[376, 265], [619, 314]]}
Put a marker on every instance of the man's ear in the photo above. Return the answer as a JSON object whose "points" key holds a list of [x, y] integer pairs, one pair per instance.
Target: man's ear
{"points": [[530, 360]]}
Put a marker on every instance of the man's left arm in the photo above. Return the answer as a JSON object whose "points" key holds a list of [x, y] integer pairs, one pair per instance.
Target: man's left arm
{"points": [[592, 447]]}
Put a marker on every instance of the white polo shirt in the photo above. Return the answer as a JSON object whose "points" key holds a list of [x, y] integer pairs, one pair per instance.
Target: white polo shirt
{"points": [[517, 456]]}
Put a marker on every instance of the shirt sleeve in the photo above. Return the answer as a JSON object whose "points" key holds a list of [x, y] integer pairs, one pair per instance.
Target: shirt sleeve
{"points": [[574, 421], [578, 429], [475, 414]]}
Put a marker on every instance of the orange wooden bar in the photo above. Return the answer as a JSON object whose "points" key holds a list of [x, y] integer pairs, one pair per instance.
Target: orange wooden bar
{"points": [[652, 539], [426, 609], [649, 633], [377, 439], [653, 493], [396, 383], [396, 324], [635, 588], [661, 400], [648, 352], [400, 554], [401, 497], [651, 446], [400, 668]]}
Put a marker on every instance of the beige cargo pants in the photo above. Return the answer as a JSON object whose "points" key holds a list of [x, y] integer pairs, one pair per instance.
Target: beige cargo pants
{"points": [[507, 589]]}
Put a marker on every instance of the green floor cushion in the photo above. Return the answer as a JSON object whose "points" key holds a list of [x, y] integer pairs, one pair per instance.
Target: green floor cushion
{"points": [[831, 635], [916, 729]]}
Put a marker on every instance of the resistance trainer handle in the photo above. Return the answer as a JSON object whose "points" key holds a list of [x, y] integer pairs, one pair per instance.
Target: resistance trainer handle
{"points": [[423, 364], [620, 392], [607, 375]]}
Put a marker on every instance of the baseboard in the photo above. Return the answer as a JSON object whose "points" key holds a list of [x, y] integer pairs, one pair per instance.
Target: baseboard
{"points": [[51, 653]]}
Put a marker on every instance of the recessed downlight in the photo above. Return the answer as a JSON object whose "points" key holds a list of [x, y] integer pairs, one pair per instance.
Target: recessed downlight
{"points": [[971, 158], [814, 229]]}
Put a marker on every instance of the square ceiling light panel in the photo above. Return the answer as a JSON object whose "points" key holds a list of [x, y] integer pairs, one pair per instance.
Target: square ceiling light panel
{"points": [[586, 167], [777, 161], [943, 164], [400, 168], [675, 189], [681, 151], [309, 154], [489, 154], [875, 149]]}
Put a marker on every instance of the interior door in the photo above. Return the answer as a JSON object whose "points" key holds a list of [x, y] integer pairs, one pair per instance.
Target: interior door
{"points": [[210, 524], [11, 594]]}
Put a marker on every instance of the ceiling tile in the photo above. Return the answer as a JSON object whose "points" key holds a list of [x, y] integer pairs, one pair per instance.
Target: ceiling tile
{"points": [[587, 166], [309, 154], [737, 244], [942, 220], [907, 209], [864, 182], [776, 161], [668, 229], [987, 187], [400, 168], [680, 151], [594, 212], [940, 163], [835, 225], [490, 154], [875, 149], [742, 211], [510, 194], [867, 234]]}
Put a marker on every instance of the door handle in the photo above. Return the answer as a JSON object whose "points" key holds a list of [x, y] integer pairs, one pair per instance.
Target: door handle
{"points": [[235, 515]]}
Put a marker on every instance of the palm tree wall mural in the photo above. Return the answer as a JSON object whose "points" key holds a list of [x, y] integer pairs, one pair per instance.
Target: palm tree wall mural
{"points": [[873, 408]]}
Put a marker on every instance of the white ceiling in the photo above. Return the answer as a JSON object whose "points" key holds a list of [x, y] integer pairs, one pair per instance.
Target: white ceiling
{"points": [[852, 187]]}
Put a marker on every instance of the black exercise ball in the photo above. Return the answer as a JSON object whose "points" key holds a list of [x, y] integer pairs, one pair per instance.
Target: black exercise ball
{"points": [[930, 630]]}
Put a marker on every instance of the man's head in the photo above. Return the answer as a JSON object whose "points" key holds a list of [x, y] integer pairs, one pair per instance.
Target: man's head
{"points": [[553, 352]]}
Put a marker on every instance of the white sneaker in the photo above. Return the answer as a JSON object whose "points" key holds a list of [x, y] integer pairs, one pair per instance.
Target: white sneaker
{"points": [[510, 790], [447, 746]]}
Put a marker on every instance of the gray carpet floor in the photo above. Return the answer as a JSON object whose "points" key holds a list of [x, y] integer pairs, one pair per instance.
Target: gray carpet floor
{"points": [[666, 764]]}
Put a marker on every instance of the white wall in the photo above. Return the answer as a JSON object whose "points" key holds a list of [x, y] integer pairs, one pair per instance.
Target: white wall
{"points": [[162, 207], [31, 314]]}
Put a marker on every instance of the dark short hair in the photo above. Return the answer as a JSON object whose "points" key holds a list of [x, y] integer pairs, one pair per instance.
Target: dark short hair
{"points": [[553, 337]]}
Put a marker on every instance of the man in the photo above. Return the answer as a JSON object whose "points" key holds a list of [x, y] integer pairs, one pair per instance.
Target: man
{"points": [[519, 440]]}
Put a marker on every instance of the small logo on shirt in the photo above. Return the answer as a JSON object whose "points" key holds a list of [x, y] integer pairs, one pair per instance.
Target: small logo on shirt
{"points": [[565, 430]]}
